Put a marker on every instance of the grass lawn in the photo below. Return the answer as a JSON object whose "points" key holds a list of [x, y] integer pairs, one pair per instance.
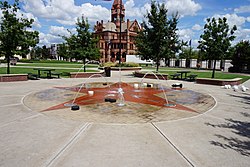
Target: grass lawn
{"points": [[17, 70], [74, 67], [202, 74], [63, 65]]}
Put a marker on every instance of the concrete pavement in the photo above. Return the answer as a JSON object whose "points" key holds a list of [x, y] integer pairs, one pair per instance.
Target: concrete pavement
{"points": [[218, 137]]}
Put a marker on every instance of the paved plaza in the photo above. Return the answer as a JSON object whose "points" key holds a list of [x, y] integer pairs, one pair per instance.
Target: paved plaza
{"points": [[216, 134]]}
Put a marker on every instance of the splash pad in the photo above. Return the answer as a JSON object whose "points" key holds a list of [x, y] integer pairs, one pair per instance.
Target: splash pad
{"points": [[101, 102], [119, 102]]}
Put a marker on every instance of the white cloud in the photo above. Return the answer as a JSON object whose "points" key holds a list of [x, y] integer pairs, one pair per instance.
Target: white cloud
{"points": [[248, 19], [183, 7], [232, 19], [243, 9], [94, 13], [29, 16], [65, 11], [132, 11], [197, 27], [59, 31], [242, 34], [21, 14], [48, 39], [185, 34]]}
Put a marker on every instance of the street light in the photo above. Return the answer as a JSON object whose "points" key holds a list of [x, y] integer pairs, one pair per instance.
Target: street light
{"points": [[120, 48]]}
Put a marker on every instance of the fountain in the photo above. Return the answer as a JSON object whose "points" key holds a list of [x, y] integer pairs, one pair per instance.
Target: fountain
{"points": [[90, 93], [102, 100], [161, 87], [118, 95]]}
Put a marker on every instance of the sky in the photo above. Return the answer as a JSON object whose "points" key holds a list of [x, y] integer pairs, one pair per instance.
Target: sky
{"points": [[53, 18]]}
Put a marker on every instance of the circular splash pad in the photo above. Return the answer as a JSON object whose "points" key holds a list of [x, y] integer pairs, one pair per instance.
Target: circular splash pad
{"points": [[98, 102]]}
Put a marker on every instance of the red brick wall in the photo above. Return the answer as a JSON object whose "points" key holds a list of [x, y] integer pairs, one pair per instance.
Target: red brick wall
{"points": [[151, 76], [15, 77], [86, 75], [218, 82]]}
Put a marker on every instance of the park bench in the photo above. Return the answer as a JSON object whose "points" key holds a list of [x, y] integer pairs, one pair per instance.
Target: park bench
{"points": [[32, 76], [191, 77], [54, 73], [175, 76]]}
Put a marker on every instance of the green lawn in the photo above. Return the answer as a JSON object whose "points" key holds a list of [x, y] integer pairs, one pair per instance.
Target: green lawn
{"points": [[202, 74], [21, 69], [17, 70], [63, 65]]}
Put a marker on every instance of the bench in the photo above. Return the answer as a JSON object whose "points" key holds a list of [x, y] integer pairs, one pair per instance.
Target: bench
{"points": [[175, 76], [191, 77], [55, 74], [32, 76]]}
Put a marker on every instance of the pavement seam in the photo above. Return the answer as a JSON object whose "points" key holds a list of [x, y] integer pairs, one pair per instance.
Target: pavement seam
{"points": [[68, 144], [20, 119], [175, 147]]}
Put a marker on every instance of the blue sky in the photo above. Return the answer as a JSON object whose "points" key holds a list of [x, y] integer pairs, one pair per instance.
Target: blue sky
{"points": [[54, 17]]}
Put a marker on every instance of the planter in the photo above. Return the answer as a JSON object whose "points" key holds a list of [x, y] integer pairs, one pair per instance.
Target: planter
{"points": [[13, 77], [220, 82], [124, 68], [150, 76], [86, 74]]}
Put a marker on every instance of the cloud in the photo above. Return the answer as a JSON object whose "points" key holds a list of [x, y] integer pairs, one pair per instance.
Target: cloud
{"points": [[232, 19], [197, 27], [132, 11], [242, 34], [248, 19], [67, 13], [29, 16], [185, 34], [183, 7], [100, 13], [243, 9], [48, 39], [22, 14], [59, 31]]}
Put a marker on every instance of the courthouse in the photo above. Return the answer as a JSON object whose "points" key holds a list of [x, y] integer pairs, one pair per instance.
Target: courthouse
{"points": [[109, 33]]}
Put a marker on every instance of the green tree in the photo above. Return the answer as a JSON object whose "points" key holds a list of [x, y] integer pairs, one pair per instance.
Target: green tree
{"points": [[158, 39], [186, 54], [83, 45], [63, 51], [45, 52], [216, 40], [241, 56], [15, 38], [36, 52]]}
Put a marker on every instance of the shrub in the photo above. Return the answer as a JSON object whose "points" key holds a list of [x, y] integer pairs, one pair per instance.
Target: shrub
{"points": [[108, 64], [128, 64]]}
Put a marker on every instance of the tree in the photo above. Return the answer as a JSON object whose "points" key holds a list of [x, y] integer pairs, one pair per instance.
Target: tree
{"points": [[186, 54], [63, 51], [45, 52], [158, 39], [241, 56], [15, 38], [36, 52], [83, 45], [215, 41]]}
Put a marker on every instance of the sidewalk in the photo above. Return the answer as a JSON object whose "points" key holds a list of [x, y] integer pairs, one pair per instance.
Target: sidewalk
{"points": [[219, 137]]}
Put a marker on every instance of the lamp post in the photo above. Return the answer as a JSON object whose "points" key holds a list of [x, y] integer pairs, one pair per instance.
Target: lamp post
{"points": [[120, 47]]}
